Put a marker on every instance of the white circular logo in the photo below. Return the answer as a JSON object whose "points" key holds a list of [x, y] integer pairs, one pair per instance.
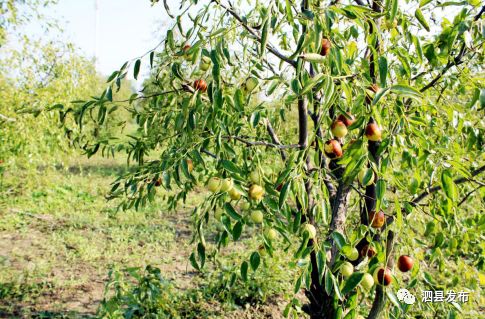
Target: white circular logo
{"points": [[405, 296]]}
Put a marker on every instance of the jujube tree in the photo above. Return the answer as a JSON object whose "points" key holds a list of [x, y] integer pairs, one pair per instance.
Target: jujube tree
{"points": [[336, 129]]}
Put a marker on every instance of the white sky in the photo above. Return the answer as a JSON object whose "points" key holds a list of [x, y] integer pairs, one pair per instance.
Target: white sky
{"points": [[127, 29]]}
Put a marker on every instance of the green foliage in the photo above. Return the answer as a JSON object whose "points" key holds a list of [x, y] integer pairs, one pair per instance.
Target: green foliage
{"points": [[136, 293], [149, 297], [33, 77], [431, 80]]}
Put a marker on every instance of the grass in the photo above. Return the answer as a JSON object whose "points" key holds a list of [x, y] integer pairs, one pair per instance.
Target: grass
{"points": [[59, 238]]}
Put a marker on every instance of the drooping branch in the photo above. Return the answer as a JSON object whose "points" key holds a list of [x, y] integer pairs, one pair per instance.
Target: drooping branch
{"points": [[454, 62], [274, 137], [468, 195], [261, 143], [205, 151], [479, 15], [254, 33], [430, 190]]}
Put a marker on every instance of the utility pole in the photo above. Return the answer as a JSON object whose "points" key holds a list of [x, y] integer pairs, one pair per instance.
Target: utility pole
{"points": [[96, 34]]}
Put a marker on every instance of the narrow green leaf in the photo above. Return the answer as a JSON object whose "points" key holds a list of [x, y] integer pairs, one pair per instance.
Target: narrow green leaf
{"points": [[237, 230], [232, 212], [201, 252], [419, 15], [284, 194], [422, 3], [448, 185], [193, 261], [255, 260], [339, 239], [264, 36], [297, 285], [231, 167], [380, 189], [239, 100], [310, 84], [328, 282], [136, 69], [405, 90], [383, 70], [392, 297], [394, 6], [352, 282], [244, 270], [152, 55]]}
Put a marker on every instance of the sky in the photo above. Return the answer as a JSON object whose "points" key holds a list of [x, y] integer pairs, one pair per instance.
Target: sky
{"points": [[126, 29]]}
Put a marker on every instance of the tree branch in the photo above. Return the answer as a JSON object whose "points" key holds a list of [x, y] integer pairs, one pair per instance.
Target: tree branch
{"points": [[253, 32], [262, 143], [380, 298], [274, 138], [203, 150], [469, 194], [479, 15], [430, 190]]}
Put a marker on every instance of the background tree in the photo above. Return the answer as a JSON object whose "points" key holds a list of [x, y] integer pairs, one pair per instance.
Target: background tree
{"points": [[343, 133], [35, 73]]}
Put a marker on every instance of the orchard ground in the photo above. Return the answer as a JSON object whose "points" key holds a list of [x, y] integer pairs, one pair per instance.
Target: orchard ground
{"points": [[59, 238]]}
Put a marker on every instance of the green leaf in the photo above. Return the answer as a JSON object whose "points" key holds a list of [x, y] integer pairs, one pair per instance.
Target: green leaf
{"points": [[310, 84], [422, 3], [231, 167], [419, 50], [136, 69], [176, 70], [380, 189], [339, 239], [328, 282], [398, 209], [264, 36], [448, 185], [244, 270], [109, 94], [237, 230], [383, 70], [352, 282], [392, 297], [297, 285], [296, 86], [232, 212], [201, 252], [255, 260], [394, 6], [193, 261], [239, 100], [185, 168], [405, 90], [152, 55], [381, 93], [482, 99], [419, 15], [284, 194]]}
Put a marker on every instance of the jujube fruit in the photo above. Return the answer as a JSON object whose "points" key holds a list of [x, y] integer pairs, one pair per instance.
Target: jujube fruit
{"points": [[377, 219], [405, 263], [333, 149], [326, 46], [200, 85]]}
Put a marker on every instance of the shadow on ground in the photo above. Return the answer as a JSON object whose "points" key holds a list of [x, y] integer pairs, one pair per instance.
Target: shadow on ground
{"points": [[21, 312], [99, 169]]}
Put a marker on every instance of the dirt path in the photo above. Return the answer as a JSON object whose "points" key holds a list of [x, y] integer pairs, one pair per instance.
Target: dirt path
{"points": [[59, 238]]}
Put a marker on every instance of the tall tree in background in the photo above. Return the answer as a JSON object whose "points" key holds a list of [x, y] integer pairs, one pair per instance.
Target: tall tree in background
{"points": [[346, 133]]}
